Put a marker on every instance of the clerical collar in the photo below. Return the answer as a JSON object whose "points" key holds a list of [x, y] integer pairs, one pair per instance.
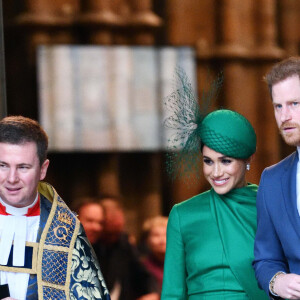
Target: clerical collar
{"points": [[14, 231], [31, 210]]}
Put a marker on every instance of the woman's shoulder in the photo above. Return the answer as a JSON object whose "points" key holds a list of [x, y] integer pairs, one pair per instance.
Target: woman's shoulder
{"points": [[193, 202], [190, 210]]}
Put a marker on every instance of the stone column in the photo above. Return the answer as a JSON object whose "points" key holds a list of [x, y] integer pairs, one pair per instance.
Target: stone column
{"points": [[289, 29], [48, 22], [143, 23], [108, 175], [99, 21], [266, 30], [235, 28]]}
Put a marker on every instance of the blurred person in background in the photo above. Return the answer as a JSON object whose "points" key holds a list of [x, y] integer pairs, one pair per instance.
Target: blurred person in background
{"points": [[125, 275], [91, 216], [154, 238]]}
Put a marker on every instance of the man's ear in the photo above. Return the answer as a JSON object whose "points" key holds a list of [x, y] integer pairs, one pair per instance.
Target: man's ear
{"points": [[44, 169]]}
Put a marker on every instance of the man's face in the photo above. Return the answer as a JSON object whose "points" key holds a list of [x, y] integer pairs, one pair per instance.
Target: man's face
{"points": [[286, 103], [91, 217], [20, 172]]}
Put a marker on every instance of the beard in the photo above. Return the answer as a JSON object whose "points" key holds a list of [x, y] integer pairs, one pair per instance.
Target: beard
{"points": [[291, 138]]}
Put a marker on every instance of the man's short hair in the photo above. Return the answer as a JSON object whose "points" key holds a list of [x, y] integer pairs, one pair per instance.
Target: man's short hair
{"points": [[84, 201], [282, 70], [19, 130], [111, 201]]}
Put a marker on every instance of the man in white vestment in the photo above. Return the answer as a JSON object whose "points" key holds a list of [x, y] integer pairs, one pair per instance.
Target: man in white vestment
{"points": [[44, 252]]}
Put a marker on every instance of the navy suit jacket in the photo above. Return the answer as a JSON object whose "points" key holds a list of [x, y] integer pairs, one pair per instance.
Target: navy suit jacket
{"points": [[277, 242]]}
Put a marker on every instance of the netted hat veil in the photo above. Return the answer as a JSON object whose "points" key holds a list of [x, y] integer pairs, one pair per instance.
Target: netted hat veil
{"points": [[224, 131]]}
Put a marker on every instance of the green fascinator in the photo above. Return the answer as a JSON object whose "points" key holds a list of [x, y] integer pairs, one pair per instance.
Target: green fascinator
{"points": [[192, 126], [229, 133]]}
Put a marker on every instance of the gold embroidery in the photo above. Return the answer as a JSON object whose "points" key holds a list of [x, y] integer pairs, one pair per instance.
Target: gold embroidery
{"points": [[48, 191], [64, 218], [61, 232]]}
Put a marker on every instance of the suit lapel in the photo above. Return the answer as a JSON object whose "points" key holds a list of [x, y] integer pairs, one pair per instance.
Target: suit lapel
{"points": [[289, 191]]}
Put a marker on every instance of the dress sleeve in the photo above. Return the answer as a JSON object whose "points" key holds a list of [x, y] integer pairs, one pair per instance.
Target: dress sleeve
{"points": [[174, 279], [268, 253]]}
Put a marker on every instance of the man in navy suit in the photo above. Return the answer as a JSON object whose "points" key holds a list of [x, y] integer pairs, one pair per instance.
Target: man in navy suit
{"points": [[277, 243]]}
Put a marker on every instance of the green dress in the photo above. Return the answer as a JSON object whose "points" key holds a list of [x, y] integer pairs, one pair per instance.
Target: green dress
{"points": [[210, 241]]}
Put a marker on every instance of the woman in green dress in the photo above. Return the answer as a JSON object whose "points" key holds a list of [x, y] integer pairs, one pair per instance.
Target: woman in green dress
{"points": [[210, 237]]}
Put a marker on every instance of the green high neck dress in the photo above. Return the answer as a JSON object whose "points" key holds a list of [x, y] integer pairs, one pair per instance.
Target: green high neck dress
{"points": [[210, 240]]}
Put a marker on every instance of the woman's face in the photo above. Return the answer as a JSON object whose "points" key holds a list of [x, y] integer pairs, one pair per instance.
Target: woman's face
{"points": [[222, 172]]}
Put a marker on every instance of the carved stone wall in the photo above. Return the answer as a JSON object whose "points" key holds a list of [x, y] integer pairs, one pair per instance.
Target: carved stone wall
{"points": [[241, 38]]}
